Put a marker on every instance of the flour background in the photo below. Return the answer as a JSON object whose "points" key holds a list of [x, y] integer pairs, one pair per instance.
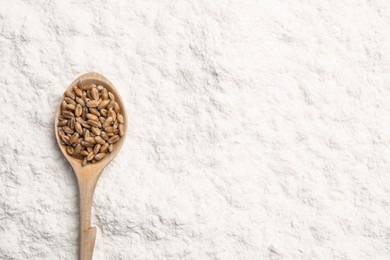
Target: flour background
{"points": [[257, 129]]}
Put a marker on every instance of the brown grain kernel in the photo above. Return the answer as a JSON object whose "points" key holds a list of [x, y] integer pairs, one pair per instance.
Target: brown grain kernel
{"points": [[79, 119], [78, 156], [84, 114], [69, 150], [78, 128], [119, 117], [90, 156], [121, 130], [104, 135], [103, 104], [92, 117], [79, 140], [69, 101], [96, 148], [111, 105], [63, 105], [80, 101], [107, 122], [94, 94], [109, 129], [60, 132], [74, 138], [84, 152], [70, 107], [85, 124], [67, 114], [112, 114], [113, 139], [72, 122], [84, 161], [89, 97], [103, 112], [66, 139], [87, 144], [62, 122], [88, 87], [104, 148], [90, 140], [111, 148], [94, 123], [79, 110], [80, 84], [94, 111], [84, 97], [117, 107], [96, 130], [111, 96], [87, 133], [68, 130], [115, 125], [99, 140], [92, 103], [77, 91], [100, 156], [104, 94], [77, 149], [69, 94]]}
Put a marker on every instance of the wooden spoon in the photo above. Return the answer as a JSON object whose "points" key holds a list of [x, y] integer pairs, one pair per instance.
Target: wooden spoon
{"points": [[87, 176]]}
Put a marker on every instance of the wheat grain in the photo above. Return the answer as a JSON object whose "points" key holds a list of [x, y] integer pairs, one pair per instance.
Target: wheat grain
{"points": [[92, 103], [100, 156], [90, 122]]}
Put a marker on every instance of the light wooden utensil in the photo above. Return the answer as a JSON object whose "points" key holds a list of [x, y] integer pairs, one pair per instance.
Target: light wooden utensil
{"points": [[87, 176]]}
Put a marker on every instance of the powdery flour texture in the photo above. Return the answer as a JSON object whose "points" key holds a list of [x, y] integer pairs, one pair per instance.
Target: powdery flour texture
{"points": [[257, 129]]}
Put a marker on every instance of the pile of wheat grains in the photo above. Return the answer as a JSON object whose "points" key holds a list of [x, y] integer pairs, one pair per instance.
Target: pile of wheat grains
{"points": [[90, 122]]}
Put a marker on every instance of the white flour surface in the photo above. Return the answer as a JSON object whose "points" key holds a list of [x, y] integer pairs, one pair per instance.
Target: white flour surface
{"points": [[258, 129]]}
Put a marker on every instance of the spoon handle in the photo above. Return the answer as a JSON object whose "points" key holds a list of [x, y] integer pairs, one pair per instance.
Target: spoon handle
{"points": [[87, 233]]}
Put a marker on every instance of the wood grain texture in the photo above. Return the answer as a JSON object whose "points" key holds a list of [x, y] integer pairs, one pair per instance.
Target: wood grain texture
{"points": [[87, 176]]}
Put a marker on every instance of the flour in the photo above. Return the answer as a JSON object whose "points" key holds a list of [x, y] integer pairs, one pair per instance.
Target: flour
{"points": [[257, 129]]}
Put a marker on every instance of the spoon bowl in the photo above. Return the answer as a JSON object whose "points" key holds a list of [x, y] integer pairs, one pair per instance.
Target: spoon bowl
{"points": [[88, 175]]}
